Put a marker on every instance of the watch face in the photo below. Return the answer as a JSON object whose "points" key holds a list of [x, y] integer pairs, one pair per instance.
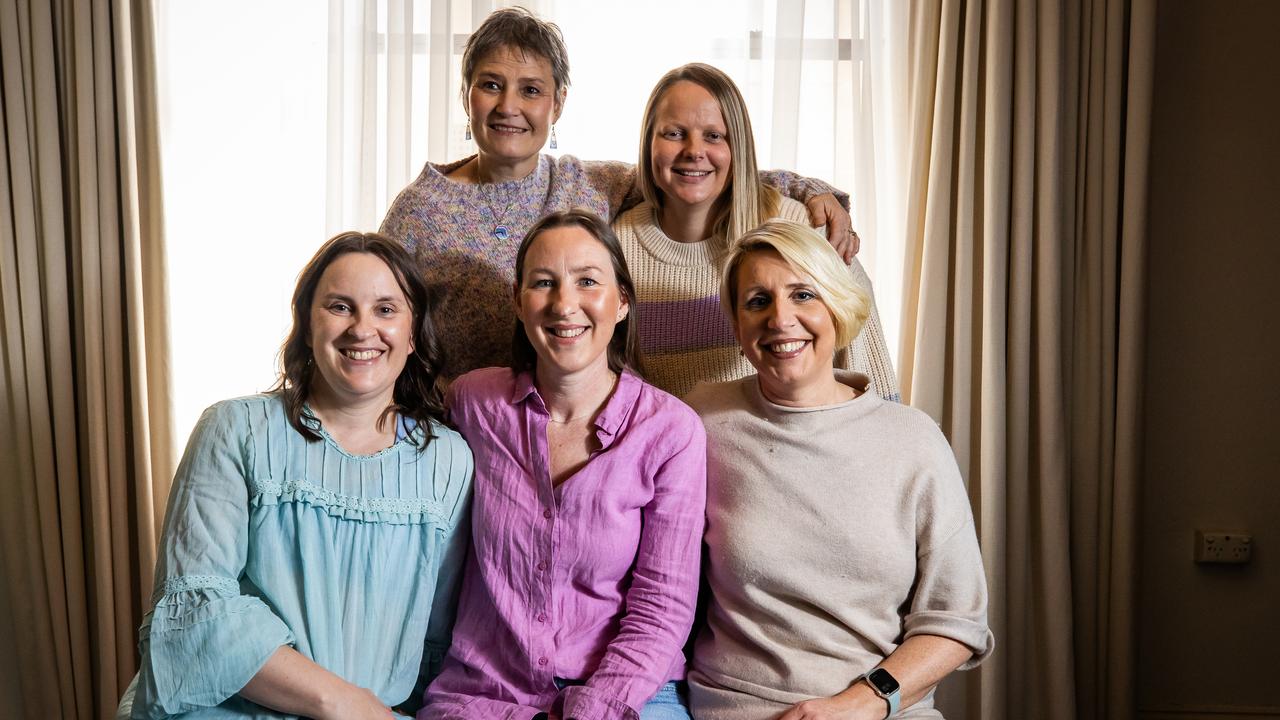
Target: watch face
{"points": [[882, 681]]}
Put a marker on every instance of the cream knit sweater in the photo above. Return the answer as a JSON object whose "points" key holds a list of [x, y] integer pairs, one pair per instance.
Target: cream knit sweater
{"points": [[833, 534], [683, 331]]}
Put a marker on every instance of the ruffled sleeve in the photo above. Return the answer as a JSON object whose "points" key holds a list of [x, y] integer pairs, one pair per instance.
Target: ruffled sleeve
{"points": [[205, 639]]}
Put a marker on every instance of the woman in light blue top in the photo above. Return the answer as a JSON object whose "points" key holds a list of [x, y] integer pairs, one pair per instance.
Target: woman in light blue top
{"points": [[314, 537]]}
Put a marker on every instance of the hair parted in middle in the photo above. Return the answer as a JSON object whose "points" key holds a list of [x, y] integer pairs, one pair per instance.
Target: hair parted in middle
{"points": [[518, 29], [808, 253], [417, 393], [745, 202], [624, 346]]}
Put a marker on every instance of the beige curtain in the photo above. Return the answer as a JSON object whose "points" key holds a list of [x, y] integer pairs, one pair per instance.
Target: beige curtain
{"points": [[1023, 325], [84, 439]]}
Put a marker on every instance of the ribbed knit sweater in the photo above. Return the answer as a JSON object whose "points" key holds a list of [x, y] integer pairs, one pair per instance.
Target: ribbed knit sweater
{"points": [[683, 331], [449, 226], [833, 534]]}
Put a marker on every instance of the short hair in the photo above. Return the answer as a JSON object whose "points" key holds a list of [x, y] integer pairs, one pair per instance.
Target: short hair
{"points": [[417, 393], [745, 202], [624, 346], [518, 29], [807, 252]]}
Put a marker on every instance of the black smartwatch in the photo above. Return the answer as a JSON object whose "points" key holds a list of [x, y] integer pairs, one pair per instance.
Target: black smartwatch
{"points": [[886, 686]]}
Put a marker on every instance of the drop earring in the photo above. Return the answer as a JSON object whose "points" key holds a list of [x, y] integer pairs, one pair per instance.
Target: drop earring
{"points": [[467, 135], [554, 145]]}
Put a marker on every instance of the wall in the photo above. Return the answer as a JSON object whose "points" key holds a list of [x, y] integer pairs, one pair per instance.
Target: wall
{"points": [[1209, 636]]}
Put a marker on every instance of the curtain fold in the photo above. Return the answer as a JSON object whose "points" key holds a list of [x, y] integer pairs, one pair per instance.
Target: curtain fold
{"points": [[84, 423], [1026, 196]]}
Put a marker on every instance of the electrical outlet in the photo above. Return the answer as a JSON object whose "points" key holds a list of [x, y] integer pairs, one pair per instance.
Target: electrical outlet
{"points": [[1233, 548]]}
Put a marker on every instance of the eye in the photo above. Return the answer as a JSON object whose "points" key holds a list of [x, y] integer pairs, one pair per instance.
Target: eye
{"points": [[804, 295], [588, 282], [540, 283], [756, 302], [339, 307], [386, 309], [673, 134], [715, 137], [532, 91], [488, 85]]}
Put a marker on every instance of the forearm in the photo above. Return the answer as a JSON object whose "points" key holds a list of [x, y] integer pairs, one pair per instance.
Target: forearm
{"points": [[919, 663], [292, 684]]}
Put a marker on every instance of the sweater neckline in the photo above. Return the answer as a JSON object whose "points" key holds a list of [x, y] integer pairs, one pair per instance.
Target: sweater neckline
{"points": [[663, 248], [534, 180], [864, 403]]}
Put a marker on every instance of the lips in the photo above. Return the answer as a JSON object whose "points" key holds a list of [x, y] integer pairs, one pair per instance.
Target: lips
{"points": [[361, 354], [567, 333], [785, 348], [507, 129], [691, 173]]}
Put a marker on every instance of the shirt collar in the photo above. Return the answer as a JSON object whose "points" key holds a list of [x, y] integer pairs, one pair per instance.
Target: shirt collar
{"points": [[616, 409]]}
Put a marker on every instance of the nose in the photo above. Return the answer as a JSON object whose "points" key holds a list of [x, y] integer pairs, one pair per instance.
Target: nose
{"points": [[694, 148], [362, 326], [781, 316], [564, 300], [508, 101]]}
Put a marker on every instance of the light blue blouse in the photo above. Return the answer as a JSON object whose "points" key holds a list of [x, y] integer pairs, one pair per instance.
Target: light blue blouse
{"points": [[272, 540]]}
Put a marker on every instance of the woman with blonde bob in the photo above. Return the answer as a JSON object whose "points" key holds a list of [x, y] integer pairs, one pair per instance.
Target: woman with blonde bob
{"points": [[842, 559], [697, 172]]}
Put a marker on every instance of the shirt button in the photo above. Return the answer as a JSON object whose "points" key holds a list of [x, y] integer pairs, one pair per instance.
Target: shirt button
{"points": [[542, 661], [546, 514], [541, 566], [542, 617]]}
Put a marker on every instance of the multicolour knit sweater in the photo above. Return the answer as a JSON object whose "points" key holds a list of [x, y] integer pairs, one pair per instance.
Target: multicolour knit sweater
{"points": [[449, 226], [683, 331]]}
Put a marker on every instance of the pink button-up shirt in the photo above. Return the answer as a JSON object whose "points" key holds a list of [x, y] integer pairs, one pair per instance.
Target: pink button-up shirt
{"points": [[594, 580]]}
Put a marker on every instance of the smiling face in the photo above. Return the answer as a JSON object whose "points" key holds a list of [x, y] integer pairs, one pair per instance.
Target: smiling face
{"points": [[785, 329], [512, 102], [361, 330], [690, 148], [569, 302]]}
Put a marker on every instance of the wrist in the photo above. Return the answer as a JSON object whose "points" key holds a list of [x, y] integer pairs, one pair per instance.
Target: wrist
{"points": [[863, 701]]}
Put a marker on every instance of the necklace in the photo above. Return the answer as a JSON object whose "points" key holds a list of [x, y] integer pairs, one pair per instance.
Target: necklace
{"points": [[501, 230]]}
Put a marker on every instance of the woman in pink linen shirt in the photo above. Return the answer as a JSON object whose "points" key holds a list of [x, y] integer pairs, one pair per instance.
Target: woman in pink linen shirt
{"points": [[588, 513]]}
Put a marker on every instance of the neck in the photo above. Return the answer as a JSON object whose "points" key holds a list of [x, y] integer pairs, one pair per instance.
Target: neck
{"points": [[686, 225], [825, 391], [574, 396], [345, 418], [495, 170]]}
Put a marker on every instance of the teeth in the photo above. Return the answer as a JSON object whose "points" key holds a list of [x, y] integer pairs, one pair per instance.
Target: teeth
{"points": [[567, 332], [693, 173], [362, 354], [787, 347]]}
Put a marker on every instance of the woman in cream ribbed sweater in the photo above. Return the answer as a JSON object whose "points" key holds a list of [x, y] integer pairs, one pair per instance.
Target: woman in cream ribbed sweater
{"points": [[842, 559], [697, 172]]}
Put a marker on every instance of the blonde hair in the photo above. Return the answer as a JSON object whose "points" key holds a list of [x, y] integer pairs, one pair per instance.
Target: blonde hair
{"points": [[807, 252], [745, 202]]}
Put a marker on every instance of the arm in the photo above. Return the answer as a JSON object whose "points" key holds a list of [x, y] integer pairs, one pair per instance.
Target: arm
{"points": [[205, 640], [664, 587], [616, 181], [292, 684], [827, 206], [918, 664]]}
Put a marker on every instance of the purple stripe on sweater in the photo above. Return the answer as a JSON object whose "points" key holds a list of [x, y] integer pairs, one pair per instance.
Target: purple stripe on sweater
{"points": [[684, 325]]}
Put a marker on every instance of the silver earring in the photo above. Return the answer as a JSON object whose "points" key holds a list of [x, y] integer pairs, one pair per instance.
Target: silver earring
{"points": [[467, 136], [554, 145]]}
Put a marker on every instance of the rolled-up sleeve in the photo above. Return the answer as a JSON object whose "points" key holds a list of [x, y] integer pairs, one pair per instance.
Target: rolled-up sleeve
{"points": [[204, 639], [950, 594], [664, 587]]}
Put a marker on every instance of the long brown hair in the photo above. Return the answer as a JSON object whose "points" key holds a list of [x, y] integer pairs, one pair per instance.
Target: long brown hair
{"points": [[417, 392], [624, 346]]}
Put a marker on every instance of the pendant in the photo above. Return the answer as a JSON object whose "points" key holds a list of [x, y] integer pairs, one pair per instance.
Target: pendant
{"points": [[501, 232]]}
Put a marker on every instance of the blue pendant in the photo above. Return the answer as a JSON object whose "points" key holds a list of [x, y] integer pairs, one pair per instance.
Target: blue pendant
{"points": [[501, 232]]}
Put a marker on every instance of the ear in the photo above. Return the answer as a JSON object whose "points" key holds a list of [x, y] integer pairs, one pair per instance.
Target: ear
{"points": [[559, 106], [624, 308], [515, 296]]}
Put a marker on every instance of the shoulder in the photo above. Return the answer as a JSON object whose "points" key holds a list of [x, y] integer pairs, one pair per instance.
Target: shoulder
{"points": [[482, 386], [247, 411], [629, 222], [710, 398], [656, 402], [794, 210]]}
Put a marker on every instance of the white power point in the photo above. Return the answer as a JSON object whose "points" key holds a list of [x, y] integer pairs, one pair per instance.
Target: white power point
{"points": [[1233, 548]]}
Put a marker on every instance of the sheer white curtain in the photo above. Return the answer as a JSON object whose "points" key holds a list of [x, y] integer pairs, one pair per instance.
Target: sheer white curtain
{"points": [[283, 123]]}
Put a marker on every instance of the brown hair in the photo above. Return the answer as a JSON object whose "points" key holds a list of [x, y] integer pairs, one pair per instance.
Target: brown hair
{"points": [[624, 346], [417, 394]]}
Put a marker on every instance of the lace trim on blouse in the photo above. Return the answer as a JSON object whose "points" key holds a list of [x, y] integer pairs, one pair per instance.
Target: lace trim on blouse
{"points": [[398, 511]]}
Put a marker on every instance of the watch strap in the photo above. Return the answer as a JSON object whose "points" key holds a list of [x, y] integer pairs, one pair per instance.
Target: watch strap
{"points": [[892, 699]]}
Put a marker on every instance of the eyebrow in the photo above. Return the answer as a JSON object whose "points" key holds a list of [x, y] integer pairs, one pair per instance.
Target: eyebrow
{"points": [[489, 74], [576, 270], [347, 298]]}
